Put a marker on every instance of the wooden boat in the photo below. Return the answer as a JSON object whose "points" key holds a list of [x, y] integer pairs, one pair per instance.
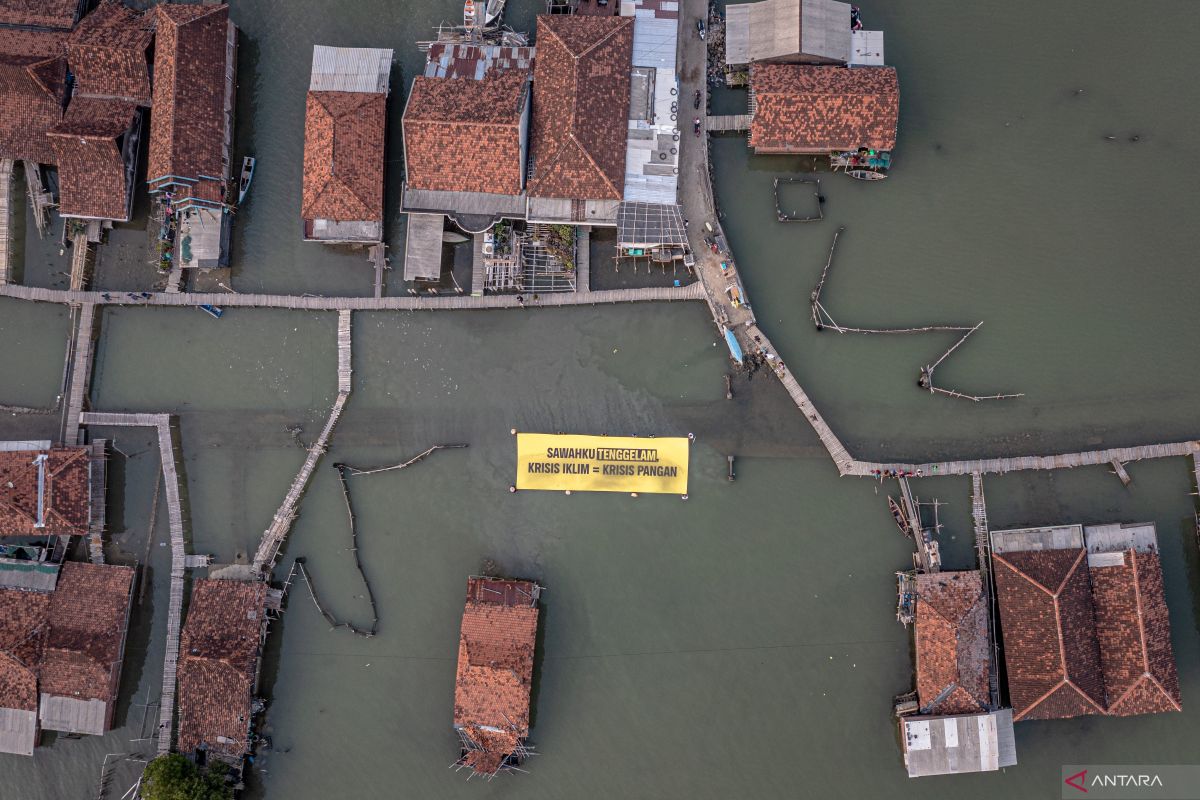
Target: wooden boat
{"points": [[866, 174], [469, 14], [247, 176], [494, 8], [898, 516], [213, 311]]}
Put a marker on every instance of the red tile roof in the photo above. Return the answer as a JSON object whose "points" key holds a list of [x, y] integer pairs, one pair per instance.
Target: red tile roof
{"points": [[1135, 636], [187, 128], [495, 668], [804, 109], [218, 653], [464, 135], [22, 635], [1049, 633], [953, 662], [32, 92], [88, 615], [91, 170], [67, 501], [581, 84], [39, 13], [107, 53], [343, 156]]}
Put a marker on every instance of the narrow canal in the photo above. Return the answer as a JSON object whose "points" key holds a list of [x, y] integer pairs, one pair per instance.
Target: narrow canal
{"points": [[741, 643]]}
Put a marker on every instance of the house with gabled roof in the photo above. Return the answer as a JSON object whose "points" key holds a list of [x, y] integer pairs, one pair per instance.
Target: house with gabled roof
{"points": [[41, 14], [581, 95], [1084, 621], [60, 666], [952, 652], [46, 491], [219, 657], [495, 673], [344, 137]]}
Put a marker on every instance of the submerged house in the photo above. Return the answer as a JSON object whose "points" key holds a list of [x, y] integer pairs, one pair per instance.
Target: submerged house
{"points": [[958, 728], [581, 101], [823, 110], [191, 127], [495, 673], [344, 137], [466, 142], [219, 658], [1084, 621], [47, 491], [60, 667], [96, 144]]}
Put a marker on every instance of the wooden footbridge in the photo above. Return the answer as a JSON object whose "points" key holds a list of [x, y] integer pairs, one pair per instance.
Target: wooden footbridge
{"points": [[281, 524], [166, 445], [80, 371], [6, 190]]}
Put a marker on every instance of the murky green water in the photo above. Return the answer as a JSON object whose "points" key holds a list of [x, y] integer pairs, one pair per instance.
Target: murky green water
{"points": [[741, 643]]}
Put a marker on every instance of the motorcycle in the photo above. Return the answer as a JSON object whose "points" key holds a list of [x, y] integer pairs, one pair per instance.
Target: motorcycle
{"points": [[696, 125], [696, 104], [700, 29]]}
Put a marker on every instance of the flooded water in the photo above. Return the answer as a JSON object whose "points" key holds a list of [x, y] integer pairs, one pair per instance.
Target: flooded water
{"points": [[741, 643]]}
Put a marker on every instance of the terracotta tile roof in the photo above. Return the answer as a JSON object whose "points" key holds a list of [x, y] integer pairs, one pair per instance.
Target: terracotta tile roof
{"points": [[67, 501], [495, 668], [1135, 636], [1049, 633], [32, 91], [343, 156], [804, 109], [88, 617], [581, 84], [91, 171], [22, 635], [218, 654], [39, 13], [464, 135], [953, 662], [107, 53], [187, 128]]}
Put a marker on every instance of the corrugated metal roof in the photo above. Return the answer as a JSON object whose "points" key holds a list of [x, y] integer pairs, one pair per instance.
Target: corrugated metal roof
{"points": [[423, 247], [654, 42], [350, 69], [866, 49]]}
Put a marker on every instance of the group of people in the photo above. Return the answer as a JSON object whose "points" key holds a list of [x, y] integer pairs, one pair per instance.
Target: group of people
{"points": [[897, 473]]}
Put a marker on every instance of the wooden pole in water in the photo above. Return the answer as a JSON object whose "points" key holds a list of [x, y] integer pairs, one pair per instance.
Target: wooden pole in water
{"points": [[731, 475]]}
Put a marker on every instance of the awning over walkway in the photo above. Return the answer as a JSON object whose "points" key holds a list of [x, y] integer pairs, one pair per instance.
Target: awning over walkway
{"points": [[650, 225]]}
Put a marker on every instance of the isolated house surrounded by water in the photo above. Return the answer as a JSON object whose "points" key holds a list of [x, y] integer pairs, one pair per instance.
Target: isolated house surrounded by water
{"points": [[581, 91], [1084, 621], [191, 125], [61, 651], [46, 491], [823, 110], [97, 142], [219, 658], [344, 137], [495, 672]]}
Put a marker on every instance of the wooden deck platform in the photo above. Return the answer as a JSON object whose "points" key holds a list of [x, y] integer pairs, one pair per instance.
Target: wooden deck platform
{"points": [[727, 123], [312, 303], [167, 450], [6, 190], [583, 260], [98, 485], [80, 374], [81, 262], [281, 524], [477, 268]]}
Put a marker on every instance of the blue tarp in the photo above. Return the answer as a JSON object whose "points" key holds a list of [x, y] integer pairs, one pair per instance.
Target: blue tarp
{"points": [[735, 349]]}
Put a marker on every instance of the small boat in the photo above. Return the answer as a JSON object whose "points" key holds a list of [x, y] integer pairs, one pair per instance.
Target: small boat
{"points": [[247, 176], [491, 16], [898, 516], [735, 349], [469, 14], [213, 311], [866, 174], [453, 237]]}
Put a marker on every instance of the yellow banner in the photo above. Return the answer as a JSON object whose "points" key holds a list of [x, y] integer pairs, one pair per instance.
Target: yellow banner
{"points": [[602, 463]]}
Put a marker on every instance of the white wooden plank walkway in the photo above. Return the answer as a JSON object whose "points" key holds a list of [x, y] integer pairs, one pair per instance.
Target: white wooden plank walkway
{"points": [[477, 268], [166, 446], [312, 303], [81, 372], [275, 534], [81, 256], [6, 190]]}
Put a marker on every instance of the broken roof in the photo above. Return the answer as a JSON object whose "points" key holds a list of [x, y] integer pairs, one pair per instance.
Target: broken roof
{"points": [[581, 86], [464, 135], [58, 485], [343, 156], [88, 616], [107, 52], [495, 668], [218, 656], [953, 662], [22, 634], [462, 60], [187, 128], [40, 13], [804, 109]]}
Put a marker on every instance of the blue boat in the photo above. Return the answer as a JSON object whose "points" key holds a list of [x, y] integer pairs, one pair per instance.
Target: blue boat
{"points": [[735, 349], [213, 311]]}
